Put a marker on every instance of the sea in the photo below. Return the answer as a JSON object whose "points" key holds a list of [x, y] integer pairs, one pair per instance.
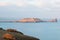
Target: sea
{"points": [[42, 30]]}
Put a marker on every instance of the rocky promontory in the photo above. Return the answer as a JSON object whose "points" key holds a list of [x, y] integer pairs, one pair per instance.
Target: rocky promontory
{"points": [[12, 34]]}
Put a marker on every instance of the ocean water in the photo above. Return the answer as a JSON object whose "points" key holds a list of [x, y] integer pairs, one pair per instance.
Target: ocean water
{"points": [[43, 30]]}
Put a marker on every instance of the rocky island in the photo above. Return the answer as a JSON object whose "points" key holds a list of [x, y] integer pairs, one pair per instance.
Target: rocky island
{"points": [[32, 20], [35, 20], [12, 34]]}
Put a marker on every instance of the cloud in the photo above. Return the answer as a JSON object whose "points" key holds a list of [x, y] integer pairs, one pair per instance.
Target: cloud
{"points": [[22, 2], [55, 3], [39, 8], [36, 3], [3, 3]]}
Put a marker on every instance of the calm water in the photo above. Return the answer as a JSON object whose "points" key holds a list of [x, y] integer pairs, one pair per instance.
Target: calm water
{"points": [[44, 31]]}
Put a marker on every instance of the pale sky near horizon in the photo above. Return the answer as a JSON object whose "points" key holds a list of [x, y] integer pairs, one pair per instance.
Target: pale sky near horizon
{"points": [[30, 8]]}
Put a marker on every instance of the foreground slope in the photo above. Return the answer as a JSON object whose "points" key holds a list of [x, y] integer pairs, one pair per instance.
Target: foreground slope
{"points": [[11, 34]]}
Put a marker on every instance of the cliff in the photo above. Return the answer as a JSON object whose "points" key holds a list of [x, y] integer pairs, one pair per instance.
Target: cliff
{"points": [[11, 34]]}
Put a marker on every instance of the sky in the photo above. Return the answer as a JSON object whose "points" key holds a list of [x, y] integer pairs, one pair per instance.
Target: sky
{"points": [[30, 8]]}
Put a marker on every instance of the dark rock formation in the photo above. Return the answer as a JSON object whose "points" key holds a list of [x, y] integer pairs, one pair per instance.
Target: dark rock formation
{"points": [[11, 34], [52, 20], [13, 30]]}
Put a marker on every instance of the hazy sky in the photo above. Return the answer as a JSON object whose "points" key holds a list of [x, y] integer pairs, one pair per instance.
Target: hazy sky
{"points": [[30, 8]]}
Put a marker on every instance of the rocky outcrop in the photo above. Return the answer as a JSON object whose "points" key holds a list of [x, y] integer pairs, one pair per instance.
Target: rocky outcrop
{"points": [[8, 36], [52, 20], [13, 30], [12, 34]]}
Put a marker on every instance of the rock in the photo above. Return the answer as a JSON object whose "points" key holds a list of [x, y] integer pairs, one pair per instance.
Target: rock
{"points": [[25, 37], [13, 30], [1, 29], [52, 20], [8, 36], [11, 34]]}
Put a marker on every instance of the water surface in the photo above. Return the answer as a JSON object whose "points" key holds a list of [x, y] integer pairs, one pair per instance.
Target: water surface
{"points": [[43, 31]]}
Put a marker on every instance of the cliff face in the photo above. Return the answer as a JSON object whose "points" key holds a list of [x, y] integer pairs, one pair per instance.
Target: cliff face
{"points": [[12, 34], [30, 20]]}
